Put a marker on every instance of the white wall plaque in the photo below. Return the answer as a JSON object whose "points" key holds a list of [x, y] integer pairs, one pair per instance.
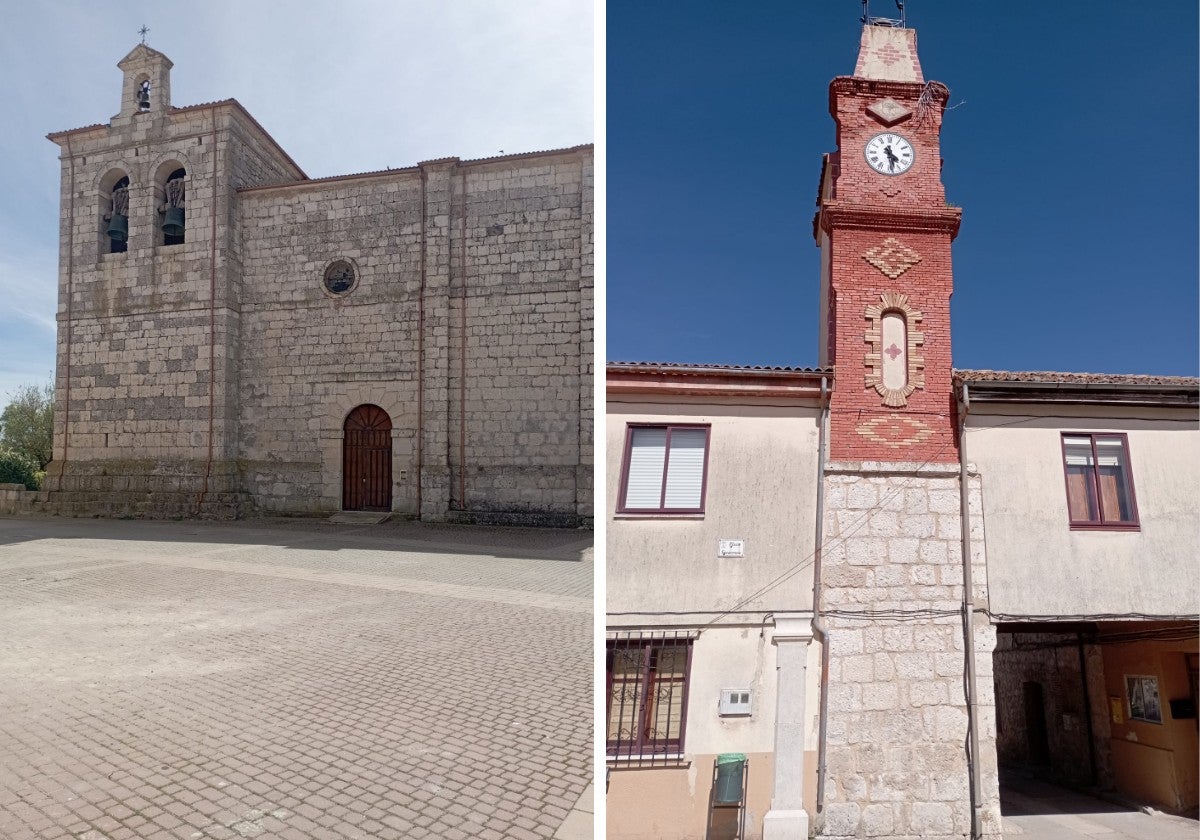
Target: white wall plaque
{"points": [[731, 548]]}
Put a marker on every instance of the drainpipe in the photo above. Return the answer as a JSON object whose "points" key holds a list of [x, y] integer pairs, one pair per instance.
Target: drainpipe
{"points": [[421, 343], [818, 627], [70, 299], [462, 355], [212, 318], [964, 407]]}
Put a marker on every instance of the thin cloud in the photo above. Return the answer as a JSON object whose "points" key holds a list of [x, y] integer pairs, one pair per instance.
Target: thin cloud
{"points": [[29, 290]]}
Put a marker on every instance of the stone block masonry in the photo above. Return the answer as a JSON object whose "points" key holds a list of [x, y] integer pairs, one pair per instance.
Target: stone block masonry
{"points": [[891, 602], [214, 376]]}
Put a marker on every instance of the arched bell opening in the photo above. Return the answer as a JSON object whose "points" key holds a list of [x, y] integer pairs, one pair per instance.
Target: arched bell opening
{"points": [[171, 191], [114, 212], [143, 94], [367, 459]]}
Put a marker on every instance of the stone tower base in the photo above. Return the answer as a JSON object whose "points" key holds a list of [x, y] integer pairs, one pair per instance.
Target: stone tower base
{"points": [[891, 603]]}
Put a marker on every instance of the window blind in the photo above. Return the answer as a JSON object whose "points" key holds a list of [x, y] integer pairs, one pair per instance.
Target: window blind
{"points": [[685, 469], [647, 457]]}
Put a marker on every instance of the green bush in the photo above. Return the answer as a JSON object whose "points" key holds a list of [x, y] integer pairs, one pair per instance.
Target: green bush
{"points": [[16, 468]]}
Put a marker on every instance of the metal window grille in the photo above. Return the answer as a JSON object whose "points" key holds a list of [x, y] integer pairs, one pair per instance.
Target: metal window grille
{"points": [[647, 674]]}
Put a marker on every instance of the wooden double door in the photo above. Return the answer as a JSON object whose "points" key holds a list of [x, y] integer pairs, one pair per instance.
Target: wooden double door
{"points": [[367, 459]]}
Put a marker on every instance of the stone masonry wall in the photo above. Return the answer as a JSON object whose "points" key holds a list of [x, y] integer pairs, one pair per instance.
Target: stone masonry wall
{"points": [[897, 716], [134, 330], [214, 375], [519, 266], [505, 237]]}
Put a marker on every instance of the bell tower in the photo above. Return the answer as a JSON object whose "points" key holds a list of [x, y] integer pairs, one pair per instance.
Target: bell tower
{"points": [[892, 601], [146, 87], [885, 230]]}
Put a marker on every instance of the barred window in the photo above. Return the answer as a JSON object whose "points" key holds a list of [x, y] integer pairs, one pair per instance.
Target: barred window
{"points": [[647, 693]]}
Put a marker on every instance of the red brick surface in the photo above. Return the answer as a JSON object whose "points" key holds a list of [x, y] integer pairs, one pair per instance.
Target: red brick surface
{"points": [[866, 208]]}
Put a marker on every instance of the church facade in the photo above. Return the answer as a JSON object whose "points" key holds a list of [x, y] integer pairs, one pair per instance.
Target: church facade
{"points": [[235, 337]]}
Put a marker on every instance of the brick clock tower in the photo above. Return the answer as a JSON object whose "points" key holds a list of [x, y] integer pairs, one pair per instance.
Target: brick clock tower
{"points": [[890, 591]]}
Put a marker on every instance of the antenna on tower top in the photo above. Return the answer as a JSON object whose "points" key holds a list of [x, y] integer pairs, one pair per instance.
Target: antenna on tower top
{"points": [[880, 21]]}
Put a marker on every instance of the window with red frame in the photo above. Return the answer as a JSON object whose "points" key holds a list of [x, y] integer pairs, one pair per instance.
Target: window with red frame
{"points": [[664, 469], [647, 694], [1099, 482]]}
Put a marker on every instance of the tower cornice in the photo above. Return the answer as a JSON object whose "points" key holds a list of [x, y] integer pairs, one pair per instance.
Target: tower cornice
{"points": [[855, 86], [880, 217]]}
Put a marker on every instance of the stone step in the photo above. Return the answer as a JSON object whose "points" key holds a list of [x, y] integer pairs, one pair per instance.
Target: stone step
{"points": [[359, 517]]}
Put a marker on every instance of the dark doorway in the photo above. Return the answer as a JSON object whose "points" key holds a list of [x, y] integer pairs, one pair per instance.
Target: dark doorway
{"points": [[367, 460], [1035, 724]]}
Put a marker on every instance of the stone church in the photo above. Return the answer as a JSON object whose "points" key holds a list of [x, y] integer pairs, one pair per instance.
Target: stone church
{"points": [[236, 337]]}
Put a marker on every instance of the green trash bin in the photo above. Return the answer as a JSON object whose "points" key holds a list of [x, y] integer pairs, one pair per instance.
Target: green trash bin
{"points": [[730, 768]]}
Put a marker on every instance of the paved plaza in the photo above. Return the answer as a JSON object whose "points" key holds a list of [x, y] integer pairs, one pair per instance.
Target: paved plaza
{"points": [[293, 679], [1037, 810]]}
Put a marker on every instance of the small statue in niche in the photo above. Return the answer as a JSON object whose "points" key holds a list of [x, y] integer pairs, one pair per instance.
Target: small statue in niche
{"points": [[143, 96]]}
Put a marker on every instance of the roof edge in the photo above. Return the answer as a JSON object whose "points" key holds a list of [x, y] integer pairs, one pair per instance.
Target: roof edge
{"points": [[715, 381], [408, 170], [55, 136], [1079, 388]]}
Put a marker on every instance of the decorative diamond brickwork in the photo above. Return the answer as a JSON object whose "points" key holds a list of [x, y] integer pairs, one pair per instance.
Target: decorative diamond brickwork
{"points": [[888, 111], [894, 431], [892, 257]]}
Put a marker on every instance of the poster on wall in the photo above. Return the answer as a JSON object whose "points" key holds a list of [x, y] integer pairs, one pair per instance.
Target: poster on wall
{"points": [[1143, 698]]}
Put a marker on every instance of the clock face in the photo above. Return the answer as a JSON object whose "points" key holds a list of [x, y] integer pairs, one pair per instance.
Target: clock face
{"points": [[889, 154]]}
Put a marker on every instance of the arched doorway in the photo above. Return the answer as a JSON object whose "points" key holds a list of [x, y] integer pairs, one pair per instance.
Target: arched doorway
{"points": [[367, 459]]}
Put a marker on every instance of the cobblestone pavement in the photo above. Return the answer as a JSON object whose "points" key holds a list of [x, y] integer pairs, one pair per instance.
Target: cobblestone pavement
{"points": [[291, 679]]}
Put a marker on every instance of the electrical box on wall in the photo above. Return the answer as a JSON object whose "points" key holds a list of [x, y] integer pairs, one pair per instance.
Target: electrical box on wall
{"points": [[735, 702]]}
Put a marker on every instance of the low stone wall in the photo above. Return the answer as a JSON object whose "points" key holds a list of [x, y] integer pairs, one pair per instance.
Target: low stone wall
{"points": [[16, 500]]}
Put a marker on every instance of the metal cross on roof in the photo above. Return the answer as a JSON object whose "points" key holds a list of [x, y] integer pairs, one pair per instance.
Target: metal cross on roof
{"points": [[143, 32]]}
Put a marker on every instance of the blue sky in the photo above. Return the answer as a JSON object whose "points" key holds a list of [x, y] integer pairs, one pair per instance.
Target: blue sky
{"points": [[344, 88], [1072, 148]]}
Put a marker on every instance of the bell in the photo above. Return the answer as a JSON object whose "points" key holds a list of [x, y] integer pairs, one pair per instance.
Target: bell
{"points": [[118, 228], [173, 221]]}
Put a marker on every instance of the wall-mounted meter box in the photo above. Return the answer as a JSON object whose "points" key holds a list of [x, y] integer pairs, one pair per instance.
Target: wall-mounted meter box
{"points": [[735, 702]]}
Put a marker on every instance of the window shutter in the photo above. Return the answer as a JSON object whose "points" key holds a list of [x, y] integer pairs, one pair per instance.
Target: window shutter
{"points": [[685, 469], [647, 456]]}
